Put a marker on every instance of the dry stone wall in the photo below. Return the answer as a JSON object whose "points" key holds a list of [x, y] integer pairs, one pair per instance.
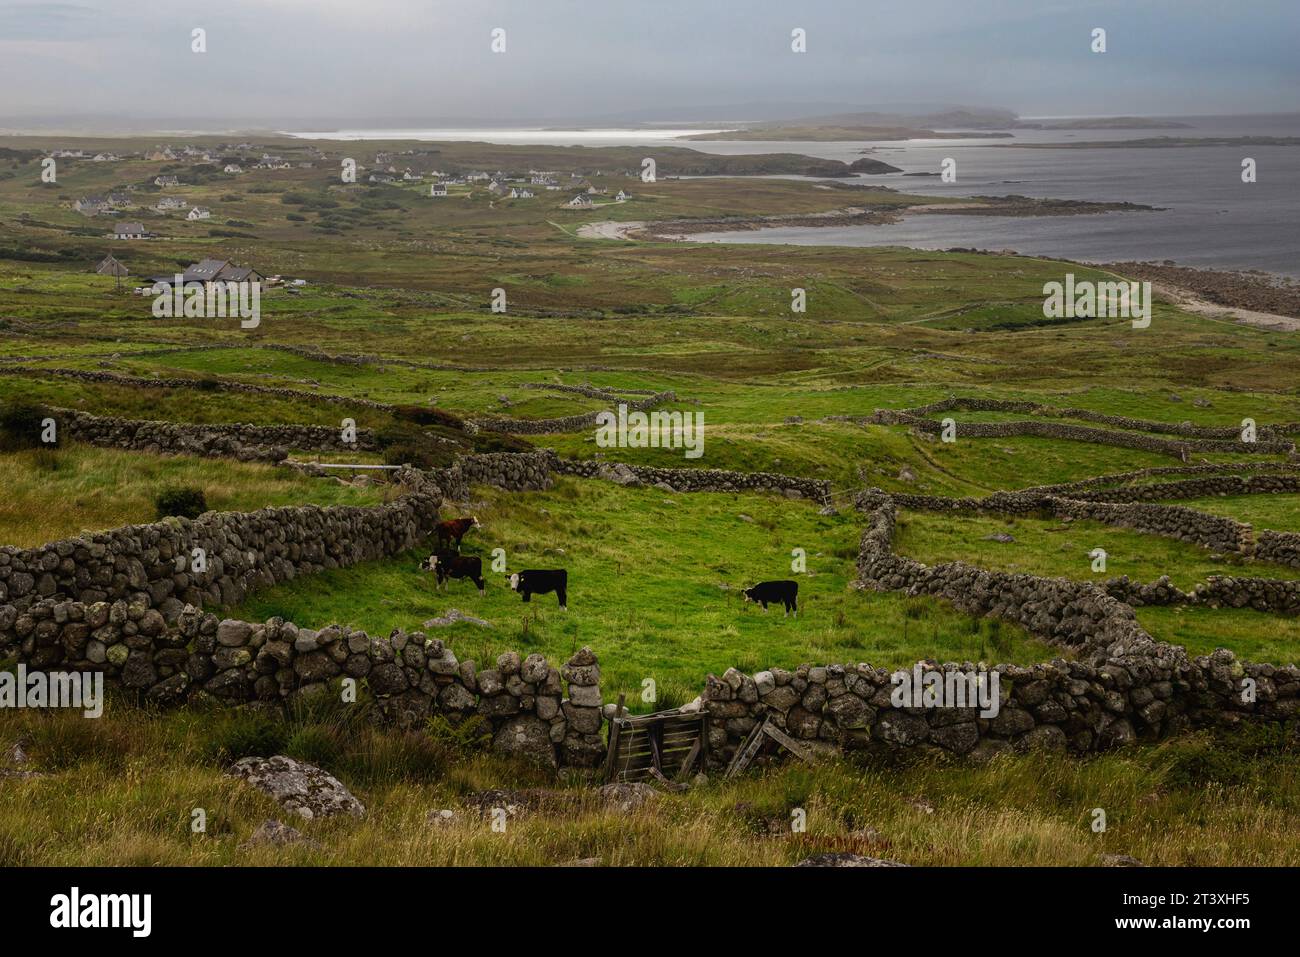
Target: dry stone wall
{"points": [[1081, 433], [154, 567], [249, 443], [698, 480], [1117, 479], [1231, 433], [528, 707], [202, 385], [1195, 488], [1171, 521]]}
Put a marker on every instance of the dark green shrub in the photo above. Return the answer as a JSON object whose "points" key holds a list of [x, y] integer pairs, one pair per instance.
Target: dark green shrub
{"points": [[20, 424], [181, 502], [428, 415]]}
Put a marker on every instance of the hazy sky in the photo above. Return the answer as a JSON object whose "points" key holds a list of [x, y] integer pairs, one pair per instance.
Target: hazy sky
{"points": [[278, 61]]}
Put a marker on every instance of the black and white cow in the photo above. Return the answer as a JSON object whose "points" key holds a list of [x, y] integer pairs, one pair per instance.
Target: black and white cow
{"points": [[785, 592], [542, 581], [447, 565]]}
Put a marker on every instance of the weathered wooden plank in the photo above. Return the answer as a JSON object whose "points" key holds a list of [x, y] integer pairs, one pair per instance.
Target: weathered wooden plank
{"points": [[787, 742], [615, 730]]}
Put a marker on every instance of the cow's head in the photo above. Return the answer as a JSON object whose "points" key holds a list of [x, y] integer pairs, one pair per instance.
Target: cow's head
{"points": [[514, 581], [474, 522], [746, 594], [429, 564]]}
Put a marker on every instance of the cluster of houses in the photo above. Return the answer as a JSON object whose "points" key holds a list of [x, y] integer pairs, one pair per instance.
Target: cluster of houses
{"points": [[115, 203], [203, 274], [104, 157], [587, 198]]}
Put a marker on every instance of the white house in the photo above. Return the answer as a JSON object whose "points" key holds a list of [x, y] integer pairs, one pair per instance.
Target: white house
{"points": [[130, 231], [169, 202], [518, 192], [199, 212], [438, 189], [233, 168], [622, 197], [581, 201], [166, 181], [90, 205]]}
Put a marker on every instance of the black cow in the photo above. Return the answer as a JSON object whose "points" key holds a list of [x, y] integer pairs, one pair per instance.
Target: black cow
{"points": [[785, 592], [451, 532], [447, 565], [542, 581]]}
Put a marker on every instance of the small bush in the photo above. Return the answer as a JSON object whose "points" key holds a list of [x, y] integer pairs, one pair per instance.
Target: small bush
{"points": [[20, 424], [428, 415], [245, 735], [181, 502]]}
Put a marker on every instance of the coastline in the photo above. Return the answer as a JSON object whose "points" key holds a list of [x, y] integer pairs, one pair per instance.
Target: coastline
{"points": [[677, 230]]}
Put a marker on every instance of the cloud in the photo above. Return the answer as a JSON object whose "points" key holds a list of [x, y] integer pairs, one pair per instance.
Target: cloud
{"points": [[277, 60]]}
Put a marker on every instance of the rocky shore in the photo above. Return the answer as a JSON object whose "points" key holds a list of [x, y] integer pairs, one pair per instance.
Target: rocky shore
{"points": [[1256, 292]]}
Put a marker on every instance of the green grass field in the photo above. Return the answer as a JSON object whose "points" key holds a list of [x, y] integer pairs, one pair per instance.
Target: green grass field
{"points": [[654, 590]]}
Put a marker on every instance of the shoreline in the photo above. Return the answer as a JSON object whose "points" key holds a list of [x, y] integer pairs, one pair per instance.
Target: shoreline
{"points": [[676, 230]]}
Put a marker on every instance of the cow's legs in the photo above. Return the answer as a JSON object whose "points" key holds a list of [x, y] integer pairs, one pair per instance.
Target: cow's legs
{"points": [[563, 595]]}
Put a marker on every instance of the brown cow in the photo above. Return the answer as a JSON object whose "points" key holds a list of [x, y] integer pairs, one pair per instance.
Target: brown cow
{"points": [[450, 533]]}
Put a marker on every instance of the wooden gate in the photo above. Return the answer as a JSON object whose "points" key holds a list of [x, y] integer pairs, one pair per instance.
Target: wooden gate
{"points": [[666, 745]]}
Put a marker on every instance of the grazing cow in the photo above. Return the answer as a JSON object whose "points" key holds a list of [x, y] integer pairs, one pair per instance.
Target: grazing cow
{"points": [[542, 581], [785, 592], [446, 565], [451, 532]]}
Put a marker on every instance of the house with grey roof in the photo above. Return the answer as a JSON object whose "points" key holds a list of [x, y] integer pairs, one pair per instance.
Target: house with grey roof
{"points": [[131, 231]]}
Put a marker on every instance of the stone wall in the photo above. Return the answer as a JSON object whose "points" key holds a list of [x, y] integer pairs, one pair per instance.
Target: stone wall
{"points": [[1081, 433], [1231, 433], [522, 701], [698, 480], [1278, 596], [1171, 521], [153, 568], [1060, 706], [1116, 479], [1195, 488], [1280, 547], [201, 385], [249, 443]]}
